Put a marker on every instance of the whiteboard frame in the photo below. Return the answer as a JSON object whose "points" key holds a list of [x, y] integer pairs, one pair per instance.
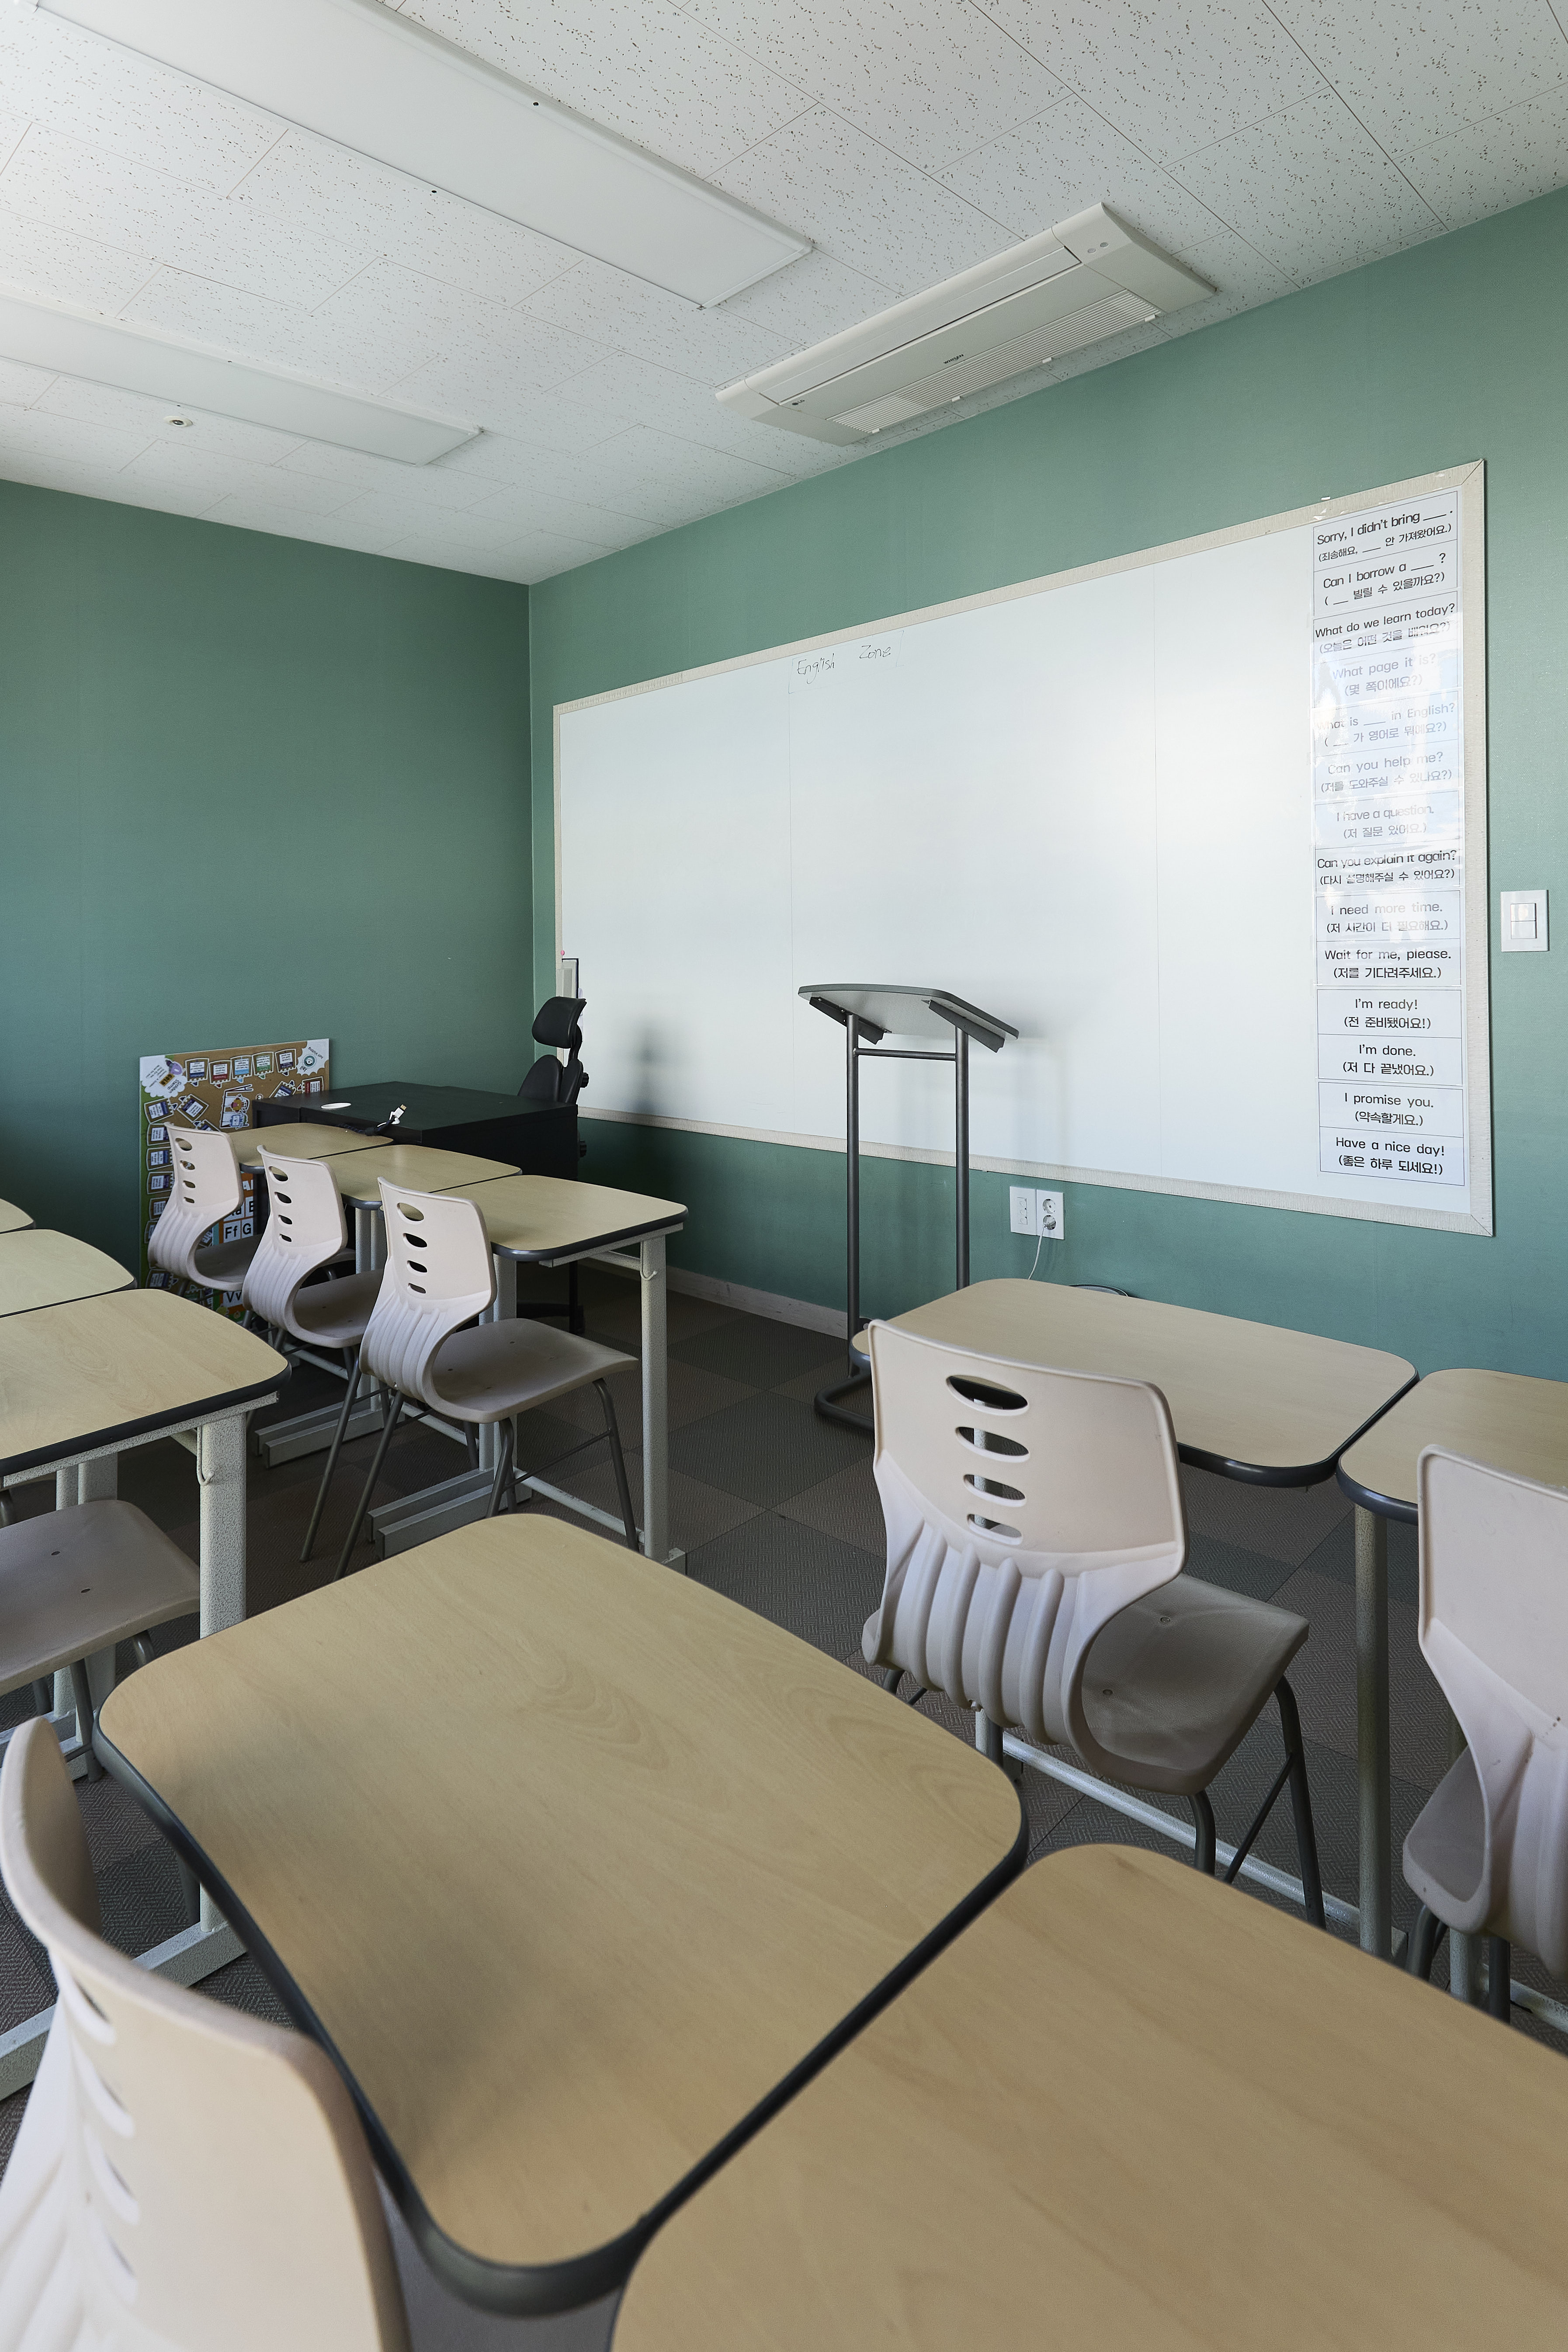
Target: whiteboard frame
{"points": [[1470, 480]]}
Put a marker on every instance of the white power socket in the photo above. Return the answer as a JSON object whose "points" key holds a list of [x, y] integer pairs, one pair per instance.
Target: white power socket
{"points": [[1035, 1212]]}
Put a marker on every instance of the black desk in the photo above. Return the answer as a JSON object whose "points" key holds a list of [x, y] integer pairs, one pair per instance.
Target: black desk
{"points": [[539, 1138]]}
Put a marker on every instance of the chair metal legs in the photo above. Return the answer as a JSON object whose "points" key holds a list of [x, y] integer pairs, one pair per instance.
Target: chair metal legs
{"points": [[394, 1414], [1499, 1973], [337, 1446], [1425, 1937], [503, 1481], [1203, 1820], [1301, 1807], [82, 1694], [612, 1430]]}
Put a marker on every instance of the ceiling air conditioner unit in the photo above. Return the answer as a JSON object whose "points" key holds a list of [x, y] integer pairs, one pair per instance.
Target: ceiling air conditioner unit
{"points": [[1090, 277]]}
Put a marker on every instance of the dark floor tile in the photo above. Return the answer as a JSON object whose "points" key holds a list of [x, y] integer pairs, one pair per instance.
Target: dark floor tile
{"points": [[698, 1514], [1281, 1523], [1323, 1676], [1258, 1574], [1335, 1557], [759, 1351], [691, 1395], [846, 1506], [821, 1591], [764, 1449]]}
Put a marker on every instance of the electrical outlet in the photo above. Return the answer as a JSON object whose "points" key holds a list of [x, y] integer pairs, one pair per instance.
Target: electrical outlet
{"points": [[1035, 1213]]}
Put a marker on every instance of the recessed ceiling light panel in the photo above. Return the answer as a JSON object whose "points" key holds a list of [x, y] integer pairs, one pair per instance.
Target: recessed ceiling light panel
{"points": [[357, 73], [137, 359]]}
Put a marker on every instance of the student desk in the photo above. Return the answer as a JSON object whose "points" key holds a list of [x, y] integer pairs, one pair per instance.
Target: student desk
{"points": [[80, 1385], [13, 1219], [1268, 1407], [299, 1140], [1504, 1419], [1123, 2109], [577, 1875], [546, 1220], [540, 1137], [40, 1268]]}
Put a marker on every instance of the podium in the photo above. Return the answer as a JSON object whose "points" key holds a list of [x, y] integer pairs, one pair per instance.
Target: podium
{"points": [[868, 1012]]}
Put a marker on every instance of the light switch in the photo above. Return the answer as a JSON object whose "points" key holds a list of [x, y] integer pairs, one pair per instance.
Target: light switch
{"points": [[1524, 925]]}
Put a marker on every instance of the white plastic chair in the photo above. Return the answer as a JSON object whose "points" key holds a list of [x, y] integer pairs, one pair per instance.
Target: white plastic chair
{"points": [[439, 1275], [1488, 1854], [204, 1189], [304, 1232], [185, 2176], [1036, 1539]]}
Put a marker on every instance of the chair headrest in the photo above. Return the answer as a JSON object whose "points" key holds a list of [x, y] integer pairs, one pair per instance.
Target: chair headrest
{"points": [[555, 1023]]}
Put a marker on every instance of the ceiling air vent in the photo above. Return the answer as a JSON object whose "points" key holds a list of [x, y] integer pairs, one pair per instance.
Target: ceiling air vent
{"points": [[1088, 277]]}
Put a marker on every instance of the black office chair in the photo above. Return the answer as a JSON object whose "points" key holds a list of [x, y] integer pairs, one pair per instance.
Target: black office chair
{"points": [[550, 1081], [555, 1024]]}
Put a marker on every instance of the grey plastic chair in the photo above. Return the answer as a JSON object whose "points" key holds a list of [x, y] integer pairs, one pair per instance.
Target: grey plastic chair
{"points": [[204, 1189], [439, 1276], [304, 1232], [1036, 1539], [185, 2176], [1488, 1854]]}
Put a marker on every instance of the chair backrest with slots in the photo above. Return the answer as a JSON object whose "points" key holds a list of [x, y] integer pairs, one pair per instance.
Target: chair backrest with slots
{"points": [[1024, 1507], [439, 1274], [185, 2176], [204, 1188], [304, 1230], [1493, 1628]]}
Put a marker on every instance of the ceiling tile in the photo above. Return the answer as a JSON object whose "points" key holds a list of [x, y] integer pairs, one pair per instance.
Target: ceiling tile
{"points": [[862, 204], [32, 433], [610, 307], [816, 297], [358, 472], [1310, 190], [641, 68], [522, 510], [133, 411], [489, 368], [20, 385], [1414, 70], [1065, 160], [175, 464], [1488, 166], [929, 79], [1172, 75], [111, 98], [141, 211], [321, 530], [620, 391], [64, 267], [348, 200], [13, 130], [389, 506], [1243, 276]]}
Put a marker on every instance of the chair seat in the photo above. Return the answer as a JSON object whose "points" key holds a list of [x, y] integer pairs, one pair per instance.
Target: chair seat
{"points": [[225, 1266], [1445, 1852], [335, 1314], [77, 1581], [1174, 1684], [495, 1369]]}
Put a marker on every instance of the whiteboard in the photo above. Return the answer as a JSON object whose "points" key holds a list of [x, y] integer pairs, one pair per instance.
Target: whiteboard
{"points": [[1101, 804]]}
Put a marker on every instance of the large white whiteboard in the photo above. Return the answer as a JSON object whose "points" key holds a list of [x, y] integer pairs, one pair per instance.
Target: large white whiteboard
{"points": [[1085, 803]]}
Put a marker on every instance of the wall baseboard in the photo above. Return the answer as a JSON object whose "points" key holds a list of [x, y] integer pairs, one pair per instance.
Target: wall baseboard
{"points": [[746, 1301]]}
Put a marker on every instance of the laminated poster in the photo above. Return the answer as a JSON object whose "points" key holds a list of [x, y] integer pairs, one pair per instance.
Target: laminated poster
{"points": [[1388, 781], [217, 1089]]}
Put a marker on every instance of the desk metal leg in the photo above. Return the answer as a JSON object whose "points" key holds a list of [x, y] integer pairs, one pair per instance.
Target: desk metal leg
{"points": [[220, 1472], [1372, 1732], [504, 1310], [656, 1402]]}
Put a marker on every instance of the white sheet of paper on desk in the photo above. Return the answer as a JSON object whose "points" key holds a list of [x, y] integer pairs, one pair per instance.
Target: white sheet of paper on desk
{"points": [[1388, 841]]}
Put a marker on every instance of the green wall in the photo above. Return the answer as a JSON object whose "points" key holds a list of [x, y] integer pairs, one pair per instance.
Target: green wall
{"points": [[249, 789], [1455, 350]]}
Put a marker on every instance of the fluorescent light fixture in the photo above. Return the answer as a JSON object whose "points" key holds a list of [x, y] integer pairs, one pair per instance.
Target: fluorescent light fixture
{"points": [[355, 72], [190, 375]]}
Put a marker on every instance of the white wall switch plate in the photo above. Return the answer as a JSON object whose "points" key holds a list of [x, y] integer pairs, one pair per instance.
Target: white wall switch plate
{"points": [[1053, 1215], [1022, 1211], [1525, 922]]}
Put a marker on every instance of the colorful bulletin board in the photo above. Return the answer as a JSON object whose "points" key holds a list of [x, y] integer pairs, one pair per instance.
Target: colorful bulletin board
{"points": [[215, 1089]]}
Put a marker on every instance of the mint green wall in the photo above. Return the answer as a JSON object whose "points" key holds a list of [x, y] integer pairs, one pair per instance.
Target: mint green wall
{"points": [[1455, 350], [249, 788]]}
